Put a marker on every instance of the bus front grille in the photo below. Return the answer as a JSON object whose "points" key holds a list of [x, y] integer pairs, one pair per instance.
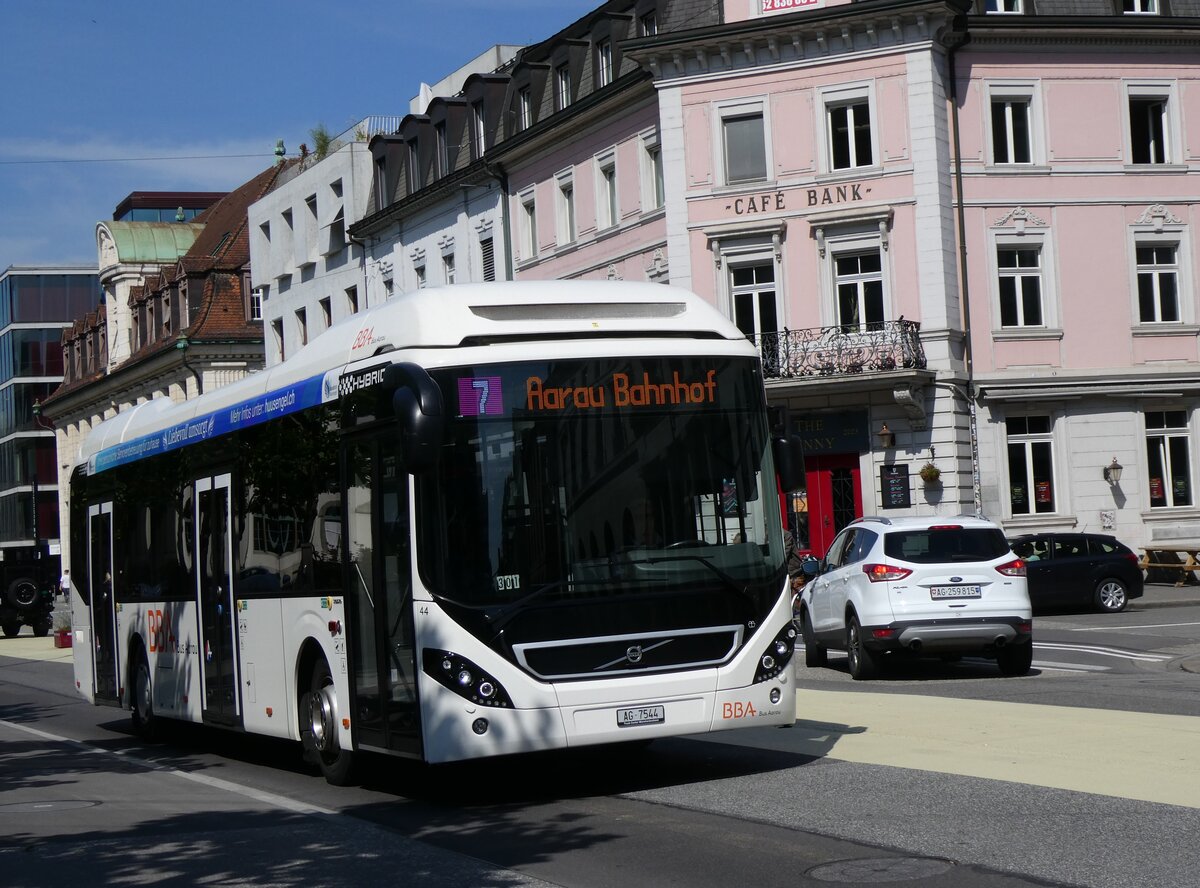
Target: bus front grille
{"points": [[637, 653]]}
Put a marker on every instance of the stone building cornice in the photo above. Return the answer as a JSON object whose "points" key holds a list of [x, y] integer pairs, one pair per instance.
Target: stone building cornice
{"points": [[799, 38]]}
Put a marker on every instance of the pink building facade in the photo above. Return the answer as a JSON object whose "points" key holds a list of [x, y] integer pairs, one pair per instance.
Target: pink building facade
{"points": [[1018, 183], [960, 231]]}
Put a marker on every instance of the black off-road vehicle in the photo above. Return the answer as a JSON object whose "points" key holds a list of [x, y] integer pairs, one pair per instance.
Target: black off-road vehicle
{"points": [[23, 601]]}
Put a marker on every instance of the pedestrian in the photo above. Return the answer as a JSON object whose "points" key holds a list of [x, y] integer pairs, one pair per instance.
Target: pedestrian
{"points": [[64, 584]]}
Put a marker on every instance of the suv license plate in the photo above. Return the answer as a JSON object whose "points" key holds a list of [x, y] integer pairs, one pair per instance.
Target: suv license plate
{"points": [[641, 715], [938, 593]]}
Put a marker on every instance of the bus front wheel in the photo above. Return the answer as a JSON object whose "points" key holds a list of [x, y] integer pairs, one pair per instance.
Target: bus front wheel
{"points": [[145, 724], [319, 727]]}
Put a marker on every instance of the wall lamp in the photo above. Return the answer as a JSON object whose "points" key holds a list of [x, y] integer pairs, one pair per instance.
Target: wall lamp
{"points": [[1112, 472], [886, 437]]}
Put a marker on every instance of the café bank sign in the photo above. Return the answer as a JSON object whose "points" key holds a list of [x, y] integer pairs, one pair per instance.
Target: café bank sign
{"points": [[777, 201], [770, 6]]}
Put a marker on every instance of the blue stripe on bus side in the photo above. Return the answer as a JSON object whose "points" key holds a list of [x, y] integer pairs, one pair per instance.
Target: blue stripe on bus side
{"points": [[270, 405]]}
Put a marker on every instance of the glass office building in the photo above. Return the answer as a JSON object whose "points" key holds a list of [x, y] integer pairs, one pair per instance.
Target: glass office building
{"points": [[36, 304]]}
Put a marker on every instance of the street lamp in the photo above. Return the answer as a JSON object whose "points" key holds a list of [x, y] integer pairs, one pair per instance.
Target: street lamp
{"points": [[1112, 472]]}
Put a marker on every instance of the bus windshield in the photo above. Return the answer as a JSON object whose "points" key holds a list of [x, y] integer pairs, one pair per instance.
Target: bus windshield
{"points": [[576, 480]]}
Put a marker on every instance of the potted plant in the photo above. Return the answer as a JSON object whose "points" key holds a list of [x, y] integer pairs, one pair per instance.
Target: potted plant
{"points": [[62, 629], [930, 473]]}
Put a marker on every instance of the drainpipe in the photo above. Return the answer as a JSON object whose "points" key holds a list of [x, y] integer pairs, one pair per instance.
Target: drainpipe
{"points": [[964, 288], [497, 172], [181, 345]]}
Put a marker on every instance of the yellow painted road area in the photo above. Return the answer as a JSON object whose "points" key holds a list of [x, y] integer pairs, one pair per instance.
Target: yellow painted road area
{"points": [[1153, 758]]}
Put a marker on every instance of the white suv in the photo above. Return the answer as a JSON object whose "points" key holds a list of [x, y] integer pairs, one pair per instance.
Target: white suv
{"points": [[938, 587]]}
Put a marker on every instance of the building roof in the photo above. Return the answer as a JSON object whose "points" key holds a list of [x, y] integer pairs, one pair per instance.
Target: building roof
{"points": [[151, 242]]}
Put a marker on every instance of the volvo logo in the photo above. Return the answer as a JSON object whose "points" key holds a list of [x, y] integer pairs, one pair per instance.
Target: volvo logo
{"points": [[634, 653]]}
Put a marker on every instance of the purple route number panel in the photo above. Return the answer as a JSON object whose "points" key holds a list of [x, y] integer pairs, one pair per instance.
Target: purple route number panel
{"points": [[480, 396]]}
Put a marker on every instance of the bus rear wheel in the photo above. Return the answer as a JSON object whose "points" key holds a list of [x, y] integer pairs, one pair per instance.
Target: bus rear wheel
{"points": [[145, 723], [319, 728]]}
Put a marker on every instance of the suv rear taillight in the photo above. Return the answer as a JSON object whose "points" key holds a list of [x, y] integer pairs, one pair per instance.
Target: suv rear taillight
{"points": [[881, 573], [1012, 568]]}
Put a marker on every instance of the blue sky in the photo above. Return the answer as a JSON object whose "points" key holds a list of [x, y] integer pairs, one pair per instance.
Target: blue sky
{"points": [[129, 80]]}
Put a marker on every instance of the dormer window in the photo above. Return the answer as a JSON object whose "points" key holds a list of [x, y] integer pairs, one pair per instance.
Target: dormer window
{"points": [[604, 63], [1140, 7], [414, 171], [562, 87], [524, 108], [443, 150], [478, 135]]}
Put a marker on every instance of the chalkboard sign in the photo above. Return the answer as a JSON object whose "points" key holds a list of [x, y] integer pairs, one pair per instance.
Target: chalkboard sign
{"points": [[893, 482]]}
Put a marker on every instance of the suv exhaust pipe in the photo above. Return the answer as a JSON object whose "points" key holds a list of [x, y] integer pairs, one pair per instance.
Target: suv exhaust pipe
{"points": [[915, 645], [1000, 641]]}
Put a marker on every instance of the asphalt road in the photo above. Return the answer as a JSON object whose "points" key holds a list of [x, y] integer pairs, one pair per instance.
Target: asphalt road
{"points": [[955, 777]]}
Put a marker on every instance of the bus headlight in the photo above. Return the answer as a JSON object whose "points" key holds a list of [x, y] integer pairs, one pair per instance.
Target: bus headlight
{"points": [[465, 678], [778, 654]]}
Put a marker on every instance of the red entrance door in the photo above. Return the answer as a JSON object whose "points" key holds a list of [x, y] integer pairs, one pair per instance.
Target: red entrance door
{"points": [[834, 497]]}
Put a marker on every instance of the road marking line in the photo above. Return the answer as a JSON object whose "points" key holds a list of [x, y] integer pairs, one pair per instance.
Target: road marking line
{"points": [[1124, 628], [1102, 651], [258, 795]]}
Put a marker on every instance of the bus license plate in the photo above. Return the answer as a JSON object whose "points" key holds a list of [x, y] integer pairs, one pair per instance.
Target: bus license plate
{"points": [[938, 593], [641, 715]]}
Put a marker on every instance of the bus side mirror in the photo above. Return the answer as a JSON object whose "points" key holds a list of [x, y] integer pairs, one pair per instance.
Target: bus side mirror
{"points": [[789, 461], [420, 420]]}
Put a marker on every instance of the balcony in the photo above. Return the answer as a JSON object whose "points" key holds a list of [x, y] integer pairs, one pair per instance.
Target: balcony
{"points": [[841, 351]]}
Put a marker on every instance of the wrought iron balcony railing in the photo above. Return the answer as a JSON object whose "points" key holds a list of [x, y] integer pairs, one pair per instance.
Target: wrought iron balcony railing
{"points": [[841, 350]]}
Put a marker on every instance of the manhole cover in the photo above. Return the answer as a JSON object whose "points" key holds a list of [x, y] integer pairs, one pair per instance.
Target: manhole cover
{"points": [[880, 869], [46, 807]]}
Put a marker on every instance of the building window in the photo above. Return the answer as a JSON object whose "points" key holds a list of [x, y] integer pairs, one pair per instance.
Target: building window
{"points": [[604, 63], [1158, 283], [414, 168], [653, 190], [449, 275], [524, 108], [1030, 464], [1004, 7], [302, 327], [858, 282], [327, 311], [607, 211], [443, 150], [566, 208], [755, 309], [1140, 7], [1011, 142], [389, 289], [1168, 458], [562, 87], [528, 226], [257, 296], [419, 270], [382, 197], [487, 256], [277, 332], [744, 140], [352, 300], [478, 134], [849, 125], [1020, 272], [1148, 129], [648, 25]]}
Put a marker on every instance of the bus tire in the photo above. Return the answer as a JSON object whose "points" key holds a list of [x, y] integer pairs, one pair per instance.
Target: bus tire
{"points": [[319, 728], [145, 723]]}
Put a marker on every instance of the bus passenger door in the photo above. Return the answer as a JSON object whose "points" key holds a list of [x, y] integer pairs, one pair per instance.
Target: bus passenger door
{"points": [[382, 634], [214, 598], [107, 686]]}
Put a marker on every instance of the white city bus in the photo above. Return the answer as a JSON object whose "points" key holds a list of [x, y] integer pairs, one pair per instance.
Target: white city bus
{"points": [[476, 520]]}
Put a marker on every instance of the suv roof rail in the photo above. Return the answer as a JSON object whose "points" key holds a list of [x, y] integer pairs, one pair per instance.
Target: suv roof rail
{"points": [[882, 519]]}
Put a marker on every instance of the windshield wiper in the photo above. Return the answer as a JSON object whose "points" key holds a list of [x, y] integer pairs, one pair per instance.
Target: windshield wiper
{"points": [[742, 590]]}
